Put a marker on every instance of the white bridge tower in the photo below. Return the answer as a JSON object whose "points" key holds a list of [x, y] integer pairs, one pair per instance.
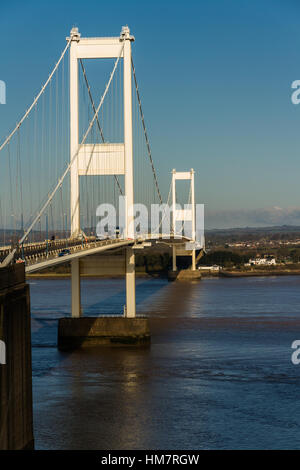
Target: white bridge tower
{"points": [[184, 215], [92, 159]]}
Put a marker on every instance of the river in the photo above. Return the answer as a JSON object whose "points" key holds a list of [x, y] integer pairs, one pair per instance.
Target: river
{"points": [[218, 374]]}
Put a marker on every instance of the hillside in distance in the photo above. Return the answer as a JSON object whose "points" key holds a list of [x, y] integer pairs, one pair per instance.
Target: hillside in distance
{"points": [[282, 232]]}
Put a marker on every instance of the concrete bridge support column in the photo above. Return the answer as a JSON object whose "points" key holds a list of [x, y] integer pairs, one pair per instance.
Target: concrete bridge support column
{"points": [[75, 288], [194, 260], [174, 258], [130, 284], [193, 218]]}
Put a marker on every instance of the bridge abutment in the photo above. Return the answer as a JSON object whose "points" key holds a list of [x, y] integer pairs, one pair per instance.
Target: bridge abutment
{"points": [[16, 426], [184, 275], [83, 332]]}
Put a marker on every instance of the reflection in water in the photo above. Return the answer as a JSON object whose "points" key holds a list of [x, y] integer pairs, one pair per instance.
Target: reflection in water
{"points": [[218, 373], [104, 402]]}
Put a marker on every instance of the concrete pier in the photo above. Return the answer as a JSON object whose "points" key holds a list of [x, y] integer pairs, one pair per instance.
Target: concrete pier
{"points": [[16, 428], [105, 331], [184, 275]]}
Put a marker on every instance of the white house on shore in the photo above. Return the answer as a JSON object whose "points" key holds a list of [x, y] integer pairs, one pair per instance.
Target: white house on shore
{"points": [[214, 268], [266, 261]]}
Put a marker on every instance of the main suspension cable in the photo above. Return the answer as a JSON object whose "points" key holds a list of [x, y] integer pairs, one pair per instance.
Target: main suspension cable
{"points": [[61, 179], [37, 98], [145, 132]]}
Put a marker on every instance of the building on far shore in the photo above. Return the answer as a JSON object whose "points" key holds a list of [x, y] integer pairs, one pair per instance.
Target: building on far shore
{"points": [[213, 268], [267, 260]]}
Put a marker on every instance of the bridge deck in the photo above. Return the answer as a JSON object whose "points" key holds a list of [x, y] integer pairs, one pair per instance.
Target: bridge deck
{"points": [[76, 252], [42, 255]]}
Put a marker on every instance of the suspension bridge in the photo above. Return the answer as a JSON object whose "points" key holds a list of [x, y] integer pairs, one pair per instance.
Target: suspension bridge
{"points": [[83, 144]]}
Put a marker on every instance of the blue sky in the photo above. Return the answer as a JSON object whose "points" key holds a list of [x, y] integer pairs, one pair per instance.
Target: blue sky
{"points": [[215, 78]]}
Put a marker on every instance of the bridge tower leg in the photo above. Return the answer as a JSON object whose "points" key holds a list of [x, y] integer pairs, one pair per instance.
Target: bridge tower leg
{"points": [[174, 258], [193, 218], [75, 288], [130, 284], [174, 219], [74, 135], [74, 183], [129, 196]]}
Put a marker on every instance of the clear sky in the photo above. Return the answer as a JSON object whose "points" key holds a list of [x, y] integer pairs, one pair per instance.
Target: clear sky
{"points": [[215, 78]]}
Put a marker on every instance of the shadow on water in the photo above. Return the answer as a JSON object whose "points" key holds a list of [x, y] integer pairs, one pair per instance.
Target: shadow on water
{"points": [[144, 290], [44, 326], [109, 388]]}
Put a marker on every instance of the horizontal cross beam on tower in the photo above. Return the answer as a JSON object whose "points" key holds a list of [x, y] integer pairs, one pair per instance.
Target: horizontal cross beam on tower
{"points": [[101, 159]]}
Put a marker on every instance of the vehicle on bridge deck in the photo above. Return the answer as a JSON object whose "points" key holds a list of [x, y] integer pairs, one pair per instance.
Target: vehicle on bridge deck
{"points": [[100, 238], [64, 252]]}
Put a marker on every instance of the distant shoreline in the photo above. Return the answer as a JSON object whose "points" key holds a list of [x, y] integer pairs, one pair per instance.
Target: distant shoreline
{"points": [[87, 276], [282, 272], [229, 274]]}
